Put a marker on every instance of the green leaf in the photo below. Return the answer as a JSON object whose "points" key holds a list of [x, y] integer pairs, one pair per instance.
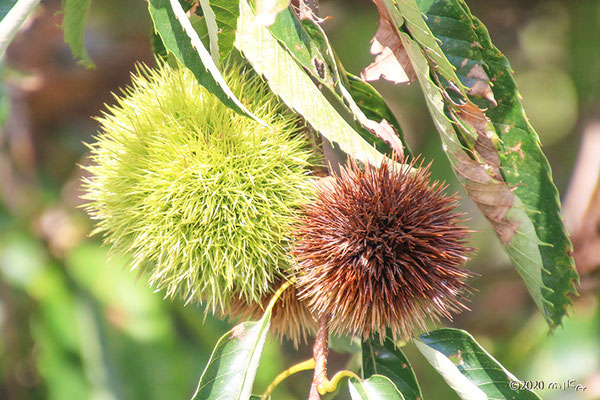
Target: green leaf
{"points": [[291, 83], [267, 10], [452, 26], [292, 35], [13, 16], [493, 196], [388, 360], [232, 367], [180, 38], [308, 45], [375, 108], [5, 7], [543, 253], [226, 14], [493, 150], [377, 387], [470, 370], [213, 29], [76, 12], [158, 47], [406, 14], [531, 178]]}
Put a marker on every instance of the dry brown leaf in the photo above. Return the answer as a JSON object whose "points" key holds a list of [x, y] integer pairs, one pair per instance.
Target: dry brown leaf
{"points": [[308, 9], [485, 184], [489, 155], [385, 131], [493, 197], [391, 61], [473, 116], [470, 114], [481, 87]]}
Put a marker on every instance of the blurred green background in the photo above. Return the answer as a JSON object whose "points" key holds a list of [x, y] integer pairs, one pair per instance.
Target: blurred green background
{"points": [[76, 325]]}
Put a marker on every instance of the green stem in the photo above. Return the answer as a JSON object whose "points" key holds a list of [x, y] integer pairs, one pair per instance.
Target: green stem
{"points": [[303, 366], [330, 386], [279, 292]]}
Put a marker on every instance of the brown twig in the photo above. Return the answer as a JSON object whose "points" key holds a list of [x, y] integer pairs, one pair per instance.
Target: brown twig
{"points": [[320, 350], [582, 204]]}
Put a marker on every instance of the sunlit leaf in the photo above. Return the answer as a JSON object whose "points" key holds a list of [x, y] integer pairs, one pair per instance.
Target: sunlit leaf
{"points": [[267, 10], [12, 18], [232, 367], [291, 83], [213, 30], [546, 252], [470, 370], [503, 207], [292, 34], [310, 47], [375, 108], [406, 14], [180, 38], [226, 15], [494, 151]]}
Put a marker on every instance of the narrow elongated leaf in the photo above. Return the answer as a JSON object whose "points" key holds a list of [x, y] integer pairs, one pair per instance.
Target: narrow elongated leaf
{"points": [[377, 387], [375, 108], [389, 361], [180, 38], [452, 25], [406, 13], [309, 46], [492, 148], [524, 167], [503, 208], [306, 42], [76, 12], [470, 370], [12, 20], [232, 367], [291, 83], [5, 6], [226, 14], [213, 29]]}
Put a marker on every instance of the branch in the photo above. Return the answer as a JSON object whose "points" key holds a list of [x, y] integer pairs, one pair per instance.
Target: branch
{"points": [[320, 350]]}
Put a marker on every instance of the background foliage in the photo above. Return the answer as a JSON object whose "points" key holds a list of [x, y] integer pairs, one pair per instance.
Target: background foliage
{"points": [[75, 326]]}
